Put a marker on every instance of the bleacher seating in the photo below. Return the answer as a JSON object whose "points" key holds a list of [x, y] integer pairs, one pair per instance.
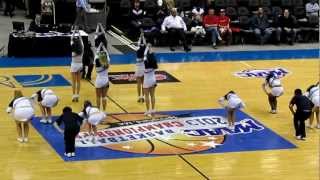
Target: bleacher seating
{"points": [[239, 11]]}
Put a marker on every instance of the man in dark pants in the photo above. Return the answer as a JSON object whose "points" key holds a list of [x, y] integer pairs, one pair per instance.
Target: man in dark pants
{"points": [[9, 8], [72, 123], [87, 61], [81, 18], [301, 113]]}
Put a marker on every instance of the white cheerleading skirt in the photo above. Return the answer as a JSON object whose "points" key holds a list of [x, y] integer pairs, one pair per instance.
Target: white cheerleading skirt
{"points": [[315, 100], [49, 100], [75, 67], [139, 69], [101, 81], [235, 103], [149, 79], [96, 118], [277, 91], [23, 114]]}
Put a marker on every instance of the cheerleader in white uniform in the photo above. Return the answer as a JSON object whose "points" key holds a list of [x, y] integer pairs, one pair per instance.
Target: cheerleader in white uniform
{"points": [[47, 99], [93, 116], [149, 81], [272, 87], [141, 53], [102, 61], [231, 102], [22, 111], [313, 94], [76, 63]]}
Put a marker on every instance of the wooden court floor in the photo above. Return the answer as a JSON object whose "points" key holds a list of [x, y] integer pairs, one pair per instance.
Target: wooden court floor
{"points": [[202, 83]]}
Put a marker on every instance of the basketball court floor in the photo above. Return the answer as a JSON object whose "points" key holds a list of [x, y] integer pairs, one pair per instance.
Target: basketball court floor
{"points": [[187, 139]]}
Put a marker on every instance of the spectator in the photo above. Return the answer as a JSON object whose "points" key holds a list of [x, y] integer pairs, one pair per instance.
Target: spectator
{"points": [[35, 24], [210, 22], [136, 16], [196, 26], [301, 113], [261, 27], [224, 27], [47, 12], [312, 8], [286, 26], [81, 18], [176, 28], [198, 11], [161, 13], [9, 8]]}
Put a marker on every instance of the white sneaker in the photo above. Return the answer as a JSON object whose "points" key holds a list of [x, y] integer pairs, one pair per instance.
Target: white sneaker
{"points": [[73, 154], [49, 120], [69, 155], [318, 126], [147, 113], [25, 139], [298, 137], [43, 120], [153, 111], [93, 140], [20, 139], [219, 38]]}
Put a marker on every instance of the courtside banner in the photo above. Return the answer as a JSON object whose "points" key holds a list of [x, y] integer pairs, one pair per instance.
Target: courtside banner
{"points": [[133, 135], [129, 77]]}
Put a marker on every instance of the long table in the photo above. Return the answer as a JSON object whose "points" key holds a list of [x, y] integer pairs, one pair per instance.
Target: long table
{"points": [[52, 44]]}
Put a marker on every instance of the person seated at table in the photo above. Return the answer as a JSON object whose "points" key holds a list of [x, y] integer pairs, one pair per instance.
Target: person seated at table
{"points": [[47, 11], [35, 24]]}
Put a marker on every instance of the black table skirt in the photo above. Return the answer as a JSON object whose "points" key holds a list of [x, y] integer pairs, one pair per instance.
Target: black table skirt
{"points": [[56, 46]]}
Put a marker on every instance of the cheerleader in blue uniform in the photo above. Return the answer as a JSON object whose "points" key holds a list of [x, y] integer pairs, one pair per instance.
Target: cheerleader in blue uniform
{"points": [[313, 94], [22, 111], [141, 53], [76, 63], [102, 61], [47, 99], [93, 116], [149, 81], [231, 102], [273, 88]]}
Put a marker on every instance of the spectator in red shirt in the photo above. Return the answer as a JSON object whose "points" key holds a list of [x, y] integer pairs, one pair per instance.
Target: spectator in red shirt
{"points": [[224, 26], [210, 23]]}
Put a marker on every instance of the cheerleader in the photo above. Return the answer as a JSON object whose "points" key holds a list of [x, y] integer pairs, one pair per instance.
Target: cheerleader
{"points": [[272, 87], [141, 53], [313, 94], [76, 63], [100, 36], [47, 99], [93, 116], [102, 61], [231, 102], [22, 112], [149, 80]]}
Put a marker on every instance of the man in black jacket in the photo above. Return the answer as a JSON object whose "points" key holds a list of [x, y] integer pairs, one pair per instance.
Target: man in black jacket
{"points": [[72, 122], [261, 27], [286, 26], [301, 113]]}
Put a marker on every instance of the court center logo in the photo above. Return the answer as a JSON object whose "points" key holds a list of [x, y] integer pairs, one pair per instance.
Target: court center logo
{"points": [[42, 80], [168, 133], [129, 77], [261, 73]]}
